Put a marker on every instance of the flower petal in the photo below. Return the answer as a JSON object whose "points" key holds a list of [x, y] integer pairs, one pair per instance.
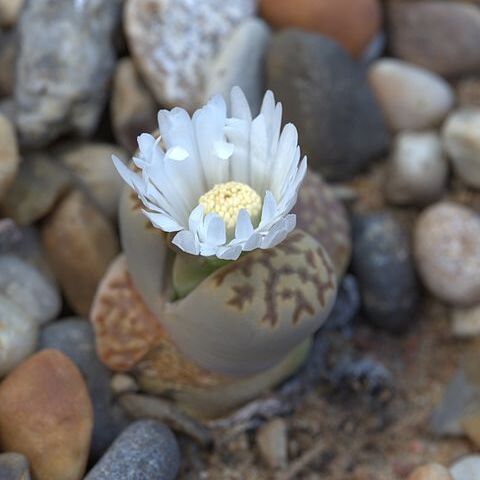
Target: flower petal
{"points": [[215, 230], [229, 253], [187, 242], [239, 105], [162, 221], [243, 228]]}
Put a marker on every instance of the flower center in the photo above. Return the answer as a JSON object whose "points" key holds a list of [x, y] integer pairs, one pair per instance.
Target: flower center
{"points": [[227, 199]]}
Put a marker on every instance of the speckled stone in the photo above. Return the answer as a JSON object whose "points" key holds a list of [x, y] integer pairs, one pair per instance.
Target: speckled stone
{"points": [[440, 36], [53, 95], [326, 95], [383, 263], [173, 43], [447, 252], [145, 450], [462, 143]]}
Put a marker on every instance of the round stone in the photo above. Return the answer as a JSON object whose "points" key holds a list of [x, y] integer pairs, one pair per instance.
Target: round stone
{"points": [[326, 95], [431, 471], [18, 335], [383, 263], [466, 468], [173, 43], [447, 252], [46, 414], [14, 466], [29, 289], [417, 169], [440, 36], [462, 143], [145, 450], [410, 97], [352, 24]]}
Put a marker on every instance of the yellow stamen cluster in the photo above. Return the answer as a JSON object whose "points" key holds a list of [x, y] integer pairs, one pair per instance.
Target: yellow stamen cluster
{"points": [[227, 199]]}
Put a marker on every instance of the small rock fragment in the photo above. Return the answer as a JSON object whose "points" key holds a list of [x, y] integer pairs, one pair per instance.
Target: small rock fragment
{"points": [[9, 156], [46, 414], [123, 383], [14, 466], [272, 443], [417, 170], [145, 450], [466, 321], [133, 108], [431, 471]]}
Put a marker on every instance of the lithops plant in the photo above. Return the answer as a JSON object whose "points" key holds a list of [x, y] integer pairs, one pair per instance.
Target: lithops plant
{"points": [[218, 293]]}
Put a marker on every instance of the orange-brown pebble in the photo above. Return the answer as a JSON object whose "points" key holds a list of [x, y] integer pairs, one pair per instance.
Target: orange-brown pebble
{"points": [[353, 24], [431, 471], [46, 414]]}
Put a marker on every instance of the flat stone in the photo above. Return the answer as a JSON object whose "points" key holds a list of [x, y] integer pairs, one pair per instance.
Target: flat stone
{"points": [[91, 164], [325, 94], [74, 337], [272, 443], [241, 62], [383, 264], [38, 186], [24, 285], [173, 43], [431, 471], [417, 169], [53, 95], [46, 414], [462, 143], [145, 450], [9, 155], [80, 243], [14, 466], [466, 468], [352, 24], [133, 108], [410, 97], [447, 253], [440, 36], [18, 335]]}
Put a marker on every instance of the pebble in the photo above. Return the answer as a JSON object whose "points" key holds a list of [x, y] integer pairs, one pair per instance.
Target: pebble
{"points": [[9, 12], [466, 468], [18, 335], [123, 383], [9, 155], [74, 337], [431, 471], [24, 285], [37, 188], [53, 95], [145, 450], [447, 252], [468, 92], [465, 321], [417, 169], [14, 466], [440, 36], [241, 62], [326, 95], [174, 56], [352, 24], [410, 97], [272, 443], [80, 244], [91, 164], [383, 265], [46, 415], [133, 108], [462, 143]]}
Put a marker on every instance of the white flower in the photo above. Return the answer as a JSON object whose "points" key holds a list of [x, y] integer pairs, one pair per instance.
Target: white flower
{"points": [[225, 184]]}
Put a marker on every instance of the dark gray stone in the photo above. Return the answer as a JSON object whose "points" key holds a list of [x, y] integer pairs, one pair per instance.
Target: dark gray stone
{"points": [[74, 337], [382, 262], [64, 67], [146, 450], [326, 95], [13, 466]]}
